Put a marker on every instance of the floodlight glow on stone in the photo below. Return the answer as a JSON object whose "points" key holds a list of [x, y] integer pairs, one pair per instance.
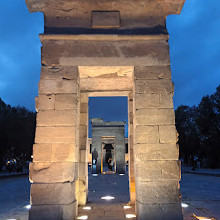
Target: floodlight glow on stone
{"points": [[202, 218], [94, 174], [87, 208], [127, 207], [130, 216], [83, 217], [184, 205], [27, 206], [107, 197]]}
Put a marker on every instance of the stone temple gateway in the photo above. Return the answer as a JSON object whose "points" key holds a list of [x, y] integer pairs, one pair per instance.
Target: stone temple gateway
{"points": [[96, 48]]}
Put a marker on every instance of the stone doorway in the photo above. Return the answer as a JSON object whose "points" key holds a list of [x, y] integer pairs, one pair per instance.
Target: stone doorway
{"points": [[112, 48], [108, 153]]}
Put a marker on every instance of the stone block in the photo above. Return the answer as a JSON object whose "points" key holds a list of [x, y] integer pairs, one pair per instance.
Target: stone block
{"points": [[156, 152], [159, 211], [105, 19], [42, 152], [83, 156], [59, 72], [166, 100], [150, 100], [55, 135], [45, 102], [66, 101], [84, 118], [57, 172], [83, 143], [53, 194], [58, 86], [64, 153], [83, 169], [157, 170], [168, 134], [53, 212], [106, 84], [84, 107], [147, 134], [152, 72], [155, 116], [157, 192], [57, 118], [83, 131], [154, 86]]}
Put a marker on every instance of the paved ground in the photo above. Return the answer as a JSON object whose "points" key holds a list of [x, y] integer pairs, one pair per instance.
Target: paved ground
{"points": [[200, 192]]}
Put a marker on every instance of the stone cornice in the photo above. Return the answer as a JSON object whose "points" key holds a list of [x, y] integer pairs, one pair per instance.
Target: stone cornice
{"points": [[72, 7], [45, 37]]}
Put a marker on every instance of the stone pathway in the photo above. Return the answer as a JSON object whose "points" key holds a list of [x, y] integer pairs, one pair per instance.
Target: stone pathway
{"points": [[106, 211]]}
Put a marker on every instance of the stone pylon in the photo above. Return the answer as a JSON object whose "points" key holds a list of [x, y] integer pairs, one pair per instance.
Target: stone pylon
{"points": [[105, 48]]}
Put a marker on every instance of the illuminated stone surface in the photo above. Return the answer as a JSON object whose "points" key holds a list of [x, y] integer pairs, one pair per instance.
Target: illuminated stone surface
{"points": [[105, 49]]}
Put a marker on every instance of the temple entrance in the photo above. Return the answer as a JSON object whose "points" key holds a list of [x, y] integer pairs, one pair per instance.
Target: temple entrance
{"points": [[108, 163]]}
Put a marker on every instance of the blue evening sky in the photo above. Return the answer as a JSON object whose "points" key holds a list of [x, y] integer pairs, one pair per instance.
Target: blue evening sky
{"points": [[194, 49]]}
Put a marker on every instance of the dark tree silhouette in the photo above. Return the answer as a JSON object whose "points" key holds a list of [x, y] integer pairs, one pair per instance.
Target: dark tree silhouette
{"points": [[17, 130]]}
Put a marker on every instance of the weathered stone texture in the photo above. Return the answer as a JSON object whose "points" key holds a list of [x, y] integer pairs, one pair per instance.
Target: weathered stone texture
{"points": [[154, 86], [45, 102], [57, 172], [147, 134], [168, 134], [152, 72], [58, 86], [150, 100], [66, 101], [42, 152], [59, 72], [154, 170], [84, 53], [52, 212], [52, 194], [56, 118], [104, 19], [145, 152], [159, 211], [64, 153], [155, 117], [55, 134], [158, 192]]}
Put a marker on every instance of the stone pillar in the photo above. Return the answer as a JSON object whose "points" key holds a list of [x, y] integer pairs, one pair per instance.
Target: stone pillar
{"points": [[157, 169], [97, 145], [55, 153], [120, 150], [130, 150], [83, 150]]}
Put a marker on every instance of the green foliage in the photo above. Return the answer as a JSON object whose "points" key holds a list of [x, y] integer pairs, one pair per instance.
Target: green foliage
{"points": [[17, 130], [199, 131]]}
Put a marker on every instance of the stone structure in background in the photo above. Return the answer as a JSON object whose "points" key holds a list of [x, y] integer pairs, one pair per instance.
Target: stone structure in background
{"points": [[105, 48], [105, 134]]}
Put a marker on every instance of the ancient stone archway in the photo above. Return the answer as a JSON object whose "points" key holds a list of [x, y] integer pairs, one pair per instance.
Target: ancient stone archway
{"points": [[104, 48]]}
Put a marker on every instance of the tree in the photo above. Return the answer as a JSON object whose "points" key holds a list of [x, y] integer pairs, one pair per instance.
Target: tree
{"points": [[17, 130]]}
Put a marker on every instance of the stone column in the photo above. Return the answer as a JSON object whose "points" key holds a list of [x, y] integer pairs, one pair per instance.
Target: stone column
{"points": [[55, 153], [120, 150], [83, 150], [157, 169], [130, 149], [97, 145]]}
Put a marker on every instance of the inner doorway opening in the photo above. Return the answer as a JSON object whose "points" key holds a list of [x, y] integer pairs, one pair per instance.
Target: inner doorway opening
{"points": [[108, 163]]}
